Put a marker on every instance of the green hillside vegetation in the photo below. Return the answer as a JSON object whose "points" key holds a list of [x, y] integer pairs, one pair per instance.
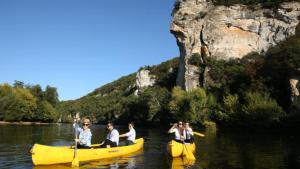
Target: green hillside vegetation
{"points": [[116, 101], [28, 103], [253, 91], [264, 3]]}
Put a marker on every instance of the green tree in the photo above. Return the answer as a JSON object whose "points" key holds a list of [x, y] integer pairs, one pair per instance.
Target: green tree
{"points": [[20, 104], [18, 84], [37, 91], [45, 112], [191, 106], [261, 109], [51, 95]]}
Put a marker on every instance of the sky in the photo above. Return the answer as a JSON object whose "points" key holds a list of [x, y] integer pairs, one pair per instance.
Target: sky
{"points": [[80, 45]]}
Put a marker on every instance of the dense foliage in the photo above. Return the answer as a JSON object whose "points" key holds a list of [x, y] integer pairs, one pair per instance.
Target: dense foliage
{"points": [[117, 101], [265, 3], [252, 91], [193, 106], [28, 103]]}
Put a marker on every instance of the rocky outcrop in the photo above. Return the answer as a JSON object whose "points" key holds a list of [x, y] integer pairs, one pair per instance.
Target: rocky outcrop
{"points": [[227, 32], [294, 89], [144, 79]]}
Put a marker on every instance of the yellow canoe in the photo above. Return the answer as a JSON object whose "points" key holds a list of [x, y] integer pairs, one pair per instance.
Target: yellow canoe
{"points": [[127, 161], [45, 155], [181, 163], [176, 149]]}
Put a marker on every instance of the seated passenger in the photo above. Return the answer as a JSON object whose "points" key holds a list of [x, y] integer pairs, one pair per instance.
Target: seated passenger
{"points": [[130, 135], [112, 138], [188, 133], [85, 135]]}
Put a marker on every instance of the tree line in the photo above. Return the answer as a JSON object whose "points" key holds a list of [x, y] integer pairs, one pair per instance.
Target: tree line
{"points": [[252, 91], [21, 102]]}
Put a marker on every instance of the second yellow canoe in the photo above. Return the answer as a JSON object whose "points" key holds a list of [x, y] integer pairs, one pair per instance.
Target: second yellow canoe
{"points": [[176, 149]]}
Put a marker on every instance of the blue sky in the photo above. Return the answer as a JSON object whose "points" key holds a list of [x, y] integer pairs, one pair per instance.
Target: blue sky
{"points": [[79, 45]]}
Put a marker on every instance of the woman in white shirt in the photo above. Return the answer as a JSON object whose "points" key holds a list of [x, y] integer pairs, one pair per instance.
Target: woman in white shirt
{"points": [[178, 130], [130, 135]]}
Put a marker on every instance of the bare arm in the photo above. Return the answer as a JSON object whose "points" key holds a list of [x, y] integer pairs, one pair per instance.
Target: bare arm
{"points": [[122, 135], [171, 129]]}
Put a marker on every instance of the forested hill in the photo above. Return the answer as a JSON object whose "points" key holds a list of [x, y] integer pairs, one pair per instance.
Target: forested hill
{"points": [[238, 66], [124, 99], [252, 91]]}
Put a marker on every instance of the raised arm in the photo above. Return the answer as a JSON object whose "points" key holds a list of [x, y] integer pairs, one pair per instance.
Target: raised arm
{"points": [[171, 130]]}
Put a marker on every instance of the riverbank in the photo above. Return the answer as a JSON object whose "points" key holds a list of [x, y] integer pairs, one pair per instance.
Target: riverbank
{"points": [[23, 123]]}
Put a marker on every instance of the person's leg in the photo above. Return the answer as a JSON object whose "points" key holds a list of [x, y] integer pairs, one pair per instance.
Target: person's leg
{"points": [[179, 141], [109, 143], [79, 146], [113, 144], [106, 142], [129, 142], [187, 141]]}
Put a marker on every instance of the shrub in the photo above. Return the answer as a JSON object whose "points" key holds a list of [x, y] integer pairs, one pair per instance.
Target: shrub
{"points": [[191, 106], [261, 109], [195, 59]]}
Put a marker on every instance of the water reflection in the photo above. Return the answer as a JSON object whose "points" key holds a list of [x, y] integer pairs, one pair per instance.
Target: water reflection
{"points": [[219, 149], [181, 163]]}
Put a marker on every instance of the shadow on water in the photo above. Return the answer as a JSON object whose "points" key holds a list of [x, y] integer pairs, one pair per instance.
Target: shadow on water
{"points": [[218, 150]]}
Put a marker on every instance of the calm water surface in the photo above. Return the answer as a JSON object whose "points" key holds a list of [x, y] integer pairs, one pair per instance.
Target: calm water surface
{"points": [[218, 150]]}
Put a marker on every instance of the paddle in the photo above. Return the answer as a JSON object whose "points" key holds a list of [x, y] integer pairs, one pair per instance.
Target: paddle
{"points": [[188, 154], [198, 134], [75, 162]]}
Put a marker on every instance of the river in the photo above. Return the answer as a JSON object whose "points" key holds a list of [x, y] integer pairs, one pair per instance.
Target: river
{"points": [[218, 150]]}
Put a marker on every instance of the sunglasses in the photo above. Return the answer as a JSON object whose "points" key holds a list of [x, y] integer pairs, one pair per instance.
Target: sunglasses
{"points": [[85, 124], [180, 123]]}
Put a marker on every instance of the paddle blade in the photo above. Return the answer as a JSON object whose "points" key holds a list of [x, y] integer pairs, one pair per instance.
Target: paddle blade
{"points": [[188, 154], [190, 157], [75, 162], [198, 134]]}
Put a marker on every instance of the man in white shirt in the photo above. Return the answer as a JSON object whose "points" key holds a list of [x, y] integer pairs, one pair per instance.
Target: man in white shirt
{"points": [[130, 135], [188, 133], [112, 138]]}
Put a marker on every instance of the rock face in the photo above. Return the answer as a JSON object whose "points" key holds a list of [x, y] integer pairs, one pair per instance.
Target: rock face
{"points": [[144, 79], [227, 32], [294, 89]]}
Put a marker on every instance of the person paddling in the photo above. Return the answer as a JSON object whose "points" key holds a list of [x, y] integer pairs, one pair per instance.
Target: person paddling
{"points": [[85, 134], [130, 135], [188, 133], [178, 130], [112, 138]]}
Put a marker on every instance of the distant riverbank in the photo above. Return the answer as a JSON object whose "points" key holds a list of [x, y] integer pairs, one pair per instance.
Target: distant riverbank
{"points": [[23, 123]]}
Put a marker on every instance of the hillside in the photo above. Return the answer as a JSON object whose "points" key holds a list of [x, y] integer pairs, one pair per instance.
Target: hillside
{"points": [[239, 65]]}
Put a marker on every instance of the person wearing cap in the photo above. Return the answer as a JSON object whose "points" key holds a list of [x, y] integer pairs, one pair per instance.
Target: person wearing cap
{"points": [[130, 135], [85, 134], [177, 129], [188, 133]]}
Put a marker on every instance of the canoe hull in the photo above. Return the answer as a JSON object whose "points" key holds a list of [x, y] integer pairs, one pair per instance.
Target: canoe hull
{"points": [[176, 149], [45, 155]]}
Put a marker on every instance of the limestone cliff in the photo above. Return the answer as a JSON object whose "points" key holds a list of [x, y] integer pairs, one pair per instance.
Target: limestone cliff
{"points": [[143, 80], [227, 32]]}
